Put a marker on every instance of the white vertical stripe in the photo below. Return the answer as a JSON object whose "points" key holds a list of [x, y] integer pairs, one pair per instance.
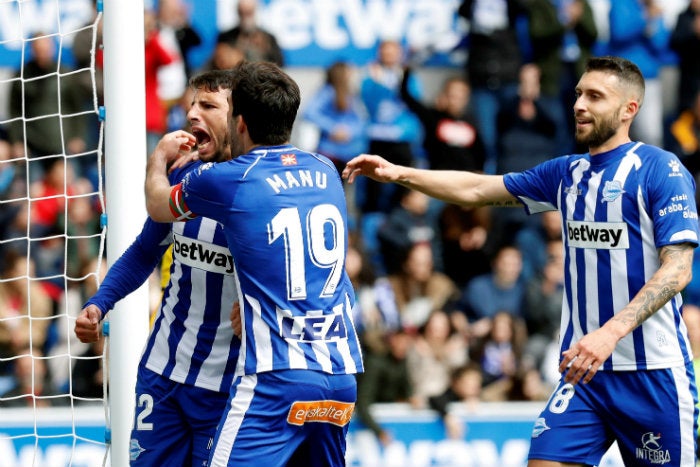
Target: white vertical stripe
{"points": [[211, 373], [261, 335], [158, 358], [686, 410], [322, 353], [297, 357], [192, 323], [343, 347], [570, 203], [624, 350], [245, 391], [591, 256]]}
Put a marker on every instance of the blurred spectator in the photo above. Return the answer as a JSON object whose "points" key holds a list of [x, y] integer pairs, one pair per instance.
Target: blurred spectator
{"points": [[410, 222], [178, 37], [498, 353], [386, 379], [82, 228], [501, 290], [436, 352], [562, 36], [418, 289], [46, 103], [176, 30], [375, 312], [542, 304], [638, 33], [224, 57], [691, 318], [19, 290], [528, 136], [494, 59], [340, 116], [465, 388], [49, 196], [691, 294], [528, 385], [465, 237], [685, 41], [393, 130], [91, 81], [83, 52], [156, 56], [533, 241], [451, 139], [256, 43], [32, 387], [11, 171], [685, 136], [87, 375], [82, 285], [527, 131]]}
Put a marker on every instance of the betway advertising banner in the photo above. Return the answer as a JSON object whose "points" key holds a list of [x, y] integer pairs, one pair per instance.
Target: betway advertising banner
{"points": [[310, 32]]}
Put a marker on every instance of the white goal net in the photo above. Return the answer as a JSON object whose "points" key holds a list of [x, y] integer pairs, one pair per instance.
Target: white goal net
{"points": [[52, 237]]}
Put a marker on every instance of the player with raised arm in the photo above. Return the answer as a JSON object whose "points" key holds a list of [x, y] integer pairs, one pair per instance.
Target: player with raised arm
{"points": [[630, 226], [187, 367], [285, 217]]}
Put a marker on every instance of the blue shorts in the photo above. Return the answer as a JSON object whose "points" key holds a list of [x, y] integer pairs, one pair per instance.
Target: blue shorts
{"points": [[174, 423], [651, 414], [290, 418]]}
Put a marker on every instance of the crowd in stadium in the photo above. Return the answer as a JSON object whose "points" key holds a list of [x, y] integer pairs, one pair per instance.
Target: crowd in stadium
{"points": [[453, 304]]}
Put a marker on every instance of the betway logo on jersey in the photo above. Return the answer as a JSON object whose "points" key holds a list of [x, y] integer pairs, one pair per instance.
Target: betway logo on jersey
{"points": [[202, 255], [598, 235]]}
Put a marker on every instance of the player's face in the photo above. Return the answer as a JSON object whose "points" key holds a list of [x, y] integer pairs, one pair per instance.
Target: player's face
{"points": [[208, 120], [598, 108]]}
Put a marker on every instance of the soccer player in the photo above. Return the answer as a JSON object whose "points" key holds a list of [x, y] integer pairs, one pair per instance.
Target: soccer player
{"points": [[284, 214], [630, 225], [187, 367]]}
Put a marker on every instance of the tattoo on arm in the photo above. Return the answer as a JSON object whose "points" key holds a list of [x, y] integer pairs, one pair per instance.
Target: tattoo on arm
{"points": [[669, 280], [510, 203]]}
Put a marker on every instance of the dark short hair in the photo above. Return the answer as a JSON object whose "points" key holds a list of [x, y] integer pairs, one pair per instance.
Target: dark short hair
{"points": [[268, 100], [212, 80], [626, 71]]}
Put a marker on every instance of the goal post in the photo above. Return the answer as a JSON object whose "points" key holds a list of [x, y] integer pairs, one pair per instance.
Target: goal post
{"points": [[125, 167]]}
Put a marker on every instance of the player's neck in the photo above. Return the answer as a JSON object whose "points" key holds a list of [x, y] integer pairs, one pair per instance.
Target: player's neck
{"points": [[612, 143]]}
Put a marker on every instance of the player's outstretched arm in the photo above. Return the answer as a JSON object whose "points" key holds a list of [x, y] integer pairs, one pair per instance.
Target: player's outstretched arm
{"points": [[157, 184], [87, 325], [465, 188]]}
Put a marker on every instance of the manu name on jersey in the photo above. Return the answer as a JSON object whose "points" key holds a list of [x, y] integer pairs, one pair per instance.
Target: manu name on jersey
{"points": [[618, 209]]}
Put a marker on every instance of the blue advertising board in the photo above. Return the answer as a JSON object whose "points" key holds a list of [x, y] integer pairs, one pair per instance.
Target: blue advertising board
{"points": [[496, 435], [311, 33]]}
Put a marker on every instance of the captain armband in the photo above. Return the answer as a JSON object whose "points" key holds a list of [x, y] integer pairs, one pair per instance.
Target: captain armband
{"points": [[178, 207]]}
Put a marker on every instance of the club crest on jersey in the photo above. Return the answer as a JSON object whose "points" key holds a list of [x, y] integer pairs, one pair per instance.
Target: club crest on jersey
{"points": [[540, 427], [652, 450], [135, 449], [289, 159], [612, 190]]}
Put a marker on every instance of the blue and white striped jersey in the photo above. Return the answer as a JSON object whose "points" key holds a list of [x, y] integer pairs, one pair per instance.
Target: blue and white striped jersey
{"points": [[192, 341], [617, 209], [285, 217]]}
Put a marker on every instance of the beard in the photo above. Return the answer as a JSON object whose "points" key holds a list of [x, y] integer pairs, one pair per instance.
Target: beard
{"points": [[600, 133]]}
